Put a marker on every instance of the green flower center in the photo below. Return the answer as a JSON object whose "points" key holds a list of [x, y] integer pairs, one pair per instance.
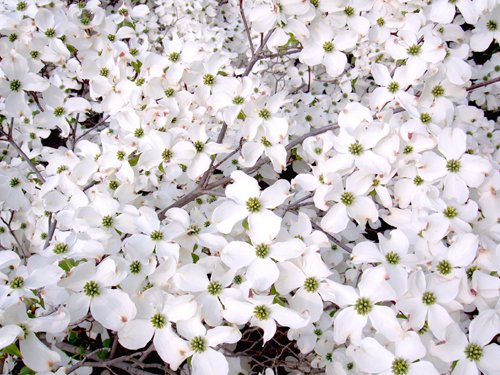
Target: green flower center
{"points": [[356, 149], [139, 133], [199, 146], [17, 282], [104, 72], [120, 155], [157, 235], [425, 118], [135, 267], [264, 114], [315, 3], [60, 248], [107, 221], [311, 284], [174, 56], [470, 271], [347, 198], [193, 230], [437, 91], [418, 180], [59, 111], [92, 289], [392, 258], [444, 267], [393, 87], [169, 92], [15, 85], [262, 250], [167, 154], [61, 169], [50, 33], [113, 184], [400, 366], [414, 50], [363, 306], [318, 332], [254, 205], [453, 166], [262, 312], [34, 54], [14, 181], [265, 142], [491, 25], [238, 279], [380, 21], [408, 149], [12, 37], [349, 11], [450, 212], [237, 100], [208, 79], [158, 320], [21, 5], [328, 47], [473, 352], [198, 344], [429, 298], [111, 37], [214, 288]]}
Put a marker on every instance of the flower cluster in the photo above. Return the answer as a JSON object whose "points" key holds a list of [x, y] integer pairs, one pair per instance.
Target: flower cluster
{"points": [[195, 178]]}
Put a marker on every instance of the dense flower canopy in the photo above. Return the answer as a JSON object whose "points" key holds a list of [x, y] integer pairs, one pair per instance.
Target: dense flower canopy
{"points": [[250, 186]]}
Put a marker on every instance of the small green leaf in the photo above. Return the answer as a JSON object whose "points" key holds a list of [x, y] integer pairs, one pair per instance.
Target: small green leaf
{"points": [[12, 349], [161, 168], [244, 224], [67, 264], [133, 159], [106, 343], [195, 257], [27, 371]]}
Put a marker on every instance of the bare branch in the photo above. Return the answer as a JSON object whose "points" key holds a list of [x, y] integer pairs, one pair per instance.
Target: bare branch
{"points": [[483, 84]]}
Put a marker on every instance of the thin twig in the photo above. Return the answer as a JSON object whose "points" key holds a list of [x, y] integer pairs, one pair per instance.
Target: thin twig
{"points": [[247, 28], [483, 84], [100, 123], [331, 238]]}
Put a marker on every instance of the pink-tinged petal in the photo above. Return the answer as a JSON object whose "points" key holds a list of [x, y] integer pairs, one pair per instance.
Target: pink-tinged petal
{"points": [[36, 355], [170, 347], [452, 348], [336, 219], [379, 97], [238, 254], [384, 321], [452, 143], [262, 273], [371, 357], [210, 362], [113, 308], [348, 324], [277, 155], [473, 169], [136, 334], [275, 194], [227, 215], [264, 226], [243, 188]]}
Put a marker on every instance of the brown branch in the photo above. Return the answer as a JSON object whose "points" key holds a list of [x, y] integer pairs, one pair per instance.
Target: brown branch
{"points": [[247, 28], [483, 84]]}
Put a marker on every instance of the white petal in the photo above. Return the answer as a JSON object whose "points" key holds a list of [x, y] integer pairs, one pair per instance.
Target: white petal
{"points": [[348, 324], [136, 334], [238, 254], [384, 321], [336, 219], [262, 273], [264, 226], [170, 347], [36, 355], [210, 362], [9, 334], [452, 143], [275, 194], [113, 308], [223, 335], [371, 357], [227, 215]]}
